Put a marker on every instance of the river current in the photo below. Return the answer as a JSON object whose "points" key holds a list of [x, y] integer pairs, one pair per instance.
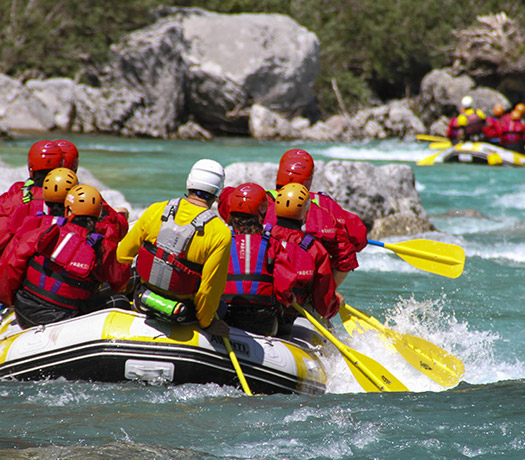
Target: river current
{"points": [[479, 317]]}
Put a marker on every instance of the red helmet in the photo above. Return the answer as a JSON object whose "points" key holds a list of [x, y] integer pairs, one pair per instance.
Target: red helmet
{"points": [[44, 155], [296, 166], [249, 198], [70, 154]]}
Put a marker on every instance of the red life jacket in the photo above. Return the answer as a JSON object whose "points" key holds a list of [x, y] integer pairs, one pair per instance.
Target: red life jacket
{"points": [[163, 264], [511, 133], [455, 131], [35, 207], [61, 270], [319, 223], [474, 124], [250, 278]]}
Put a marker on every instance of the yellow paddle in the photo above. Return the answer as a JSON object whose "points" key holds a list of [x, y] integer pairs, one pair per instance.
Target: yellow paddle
{"points": [[369, 373], [236, 365], [430, 160], [429, 138], [436, 363], [432, 256]]}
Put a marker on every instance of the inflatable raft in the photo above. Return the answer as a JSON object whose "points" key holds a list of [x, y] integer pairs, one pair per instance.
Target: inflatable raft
{"points": [[477, 153], [115, 345]]}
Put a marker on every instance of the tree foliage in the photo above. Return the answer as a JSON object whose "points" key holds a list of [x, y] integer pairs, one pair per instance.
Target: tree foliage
{"points": [[373, 49]]}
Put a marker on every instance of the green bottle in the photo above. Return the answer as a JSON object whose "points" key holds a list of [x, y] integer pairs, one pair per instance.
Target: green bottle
{"points": [[170, 308]]}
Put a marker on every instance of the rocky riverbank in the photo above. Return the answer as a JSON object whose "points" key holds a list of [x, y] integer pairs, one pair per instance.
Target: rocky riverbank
{"points": [[194, 74]]}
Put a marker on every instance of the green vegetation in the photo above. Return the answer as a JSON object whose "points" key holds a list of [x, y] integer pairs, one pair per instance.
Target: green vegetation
{"points": [[371, 48]]}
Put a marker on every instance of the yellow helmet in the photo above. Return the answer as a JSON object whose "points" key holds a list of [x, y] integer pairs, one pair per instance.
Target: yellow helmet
{"points": [[84, 200], [57, 183], [292, 202]]}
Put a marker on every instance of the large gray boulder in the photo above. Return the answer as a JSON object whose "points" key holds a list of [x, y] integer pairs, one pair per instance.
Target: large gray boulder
{"points": [[214, 67], [385, 197], [21, 109]]}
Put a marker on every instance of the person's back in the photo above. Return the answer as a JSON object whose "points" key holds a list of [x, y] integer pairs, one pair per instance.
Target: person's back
{"points": [[468, 125], [341, 232], [492, 128], [512, 132], [302, 270], [249, 292], [53, 272], [183, 251], [43, 156]]}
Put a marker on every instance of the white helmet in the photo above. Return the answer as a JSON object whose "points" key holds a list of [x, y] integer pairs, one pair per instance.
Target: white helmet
{"points": [[206, 175], [467, 102]]}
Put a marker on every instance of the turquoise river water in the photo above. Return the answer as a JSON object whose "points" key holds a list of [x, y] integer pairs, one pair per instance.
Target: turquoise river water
{"points": [[479, 317]]}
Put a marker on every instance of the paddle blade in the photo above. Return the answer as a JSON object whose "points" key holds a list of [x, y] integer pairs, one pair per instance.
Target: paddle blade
{"points": [[362, 367], [443, 259], [430, 160], [436, 363], [430, 138]]}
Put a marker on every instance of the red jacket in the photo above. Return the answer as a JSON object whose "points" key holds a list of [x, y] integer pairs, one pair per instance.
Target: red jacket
{"points": [[113, 225], [9, 201], [319, 223], [492, 129], [14, 262], [511, 135], [351, 233], [307, 274]]}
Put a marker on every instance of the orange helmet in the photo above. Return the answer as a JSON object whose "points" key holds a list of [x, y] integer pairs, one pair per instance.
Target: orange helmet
{"points": [[249, 198], [57, 183], [293, 201], [515, 115], [296, 165], [520, 106], [84, 200], [44, 155], [70, 154], [497, 110]]}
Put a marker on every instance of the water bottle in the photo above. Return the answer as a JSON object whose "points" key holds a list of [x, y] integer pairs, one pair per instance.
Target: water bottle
{"points": [[166, 307]]}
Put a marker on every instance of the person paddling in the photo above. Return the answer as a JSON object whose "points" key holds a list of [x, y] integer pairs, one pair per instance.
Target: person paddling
{"points": [[183, 251], [249, 291], [42, 157], [52, 273], [302, 270]]}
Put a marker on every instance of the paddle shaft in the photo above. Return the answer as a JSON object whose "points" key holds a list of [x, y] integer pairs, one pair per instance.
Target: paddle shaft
{"points": [[416, 253], [236, 365]]}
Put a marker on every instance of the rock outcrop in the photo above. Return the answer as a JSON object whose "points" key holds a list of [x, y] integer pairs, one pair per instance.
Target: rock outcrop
{"points": [[384, 197]]}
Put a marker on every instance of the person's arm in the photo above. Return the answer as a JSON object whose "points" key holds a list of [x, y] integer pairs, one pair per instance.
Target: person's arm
{"points": [[146, 228], [214, 274], [14, 261], [110, 270], [324, 297]]}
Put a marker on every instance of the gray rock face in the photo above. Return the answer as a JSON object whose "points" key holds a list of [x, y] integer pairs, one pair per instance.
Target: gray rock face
{"points": [[379, 195], [214, 67], [441, 93]]}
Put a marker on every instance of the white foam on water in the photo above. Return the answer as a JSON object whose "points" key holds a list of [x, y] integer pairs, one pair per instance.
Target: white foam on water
{"points": [[388, 150], [427, 320]]}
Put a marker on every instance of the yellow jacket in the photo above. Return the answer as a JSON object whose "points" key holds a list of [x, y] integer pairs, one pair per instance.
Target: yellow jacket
{"points": [[211, 249]]}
